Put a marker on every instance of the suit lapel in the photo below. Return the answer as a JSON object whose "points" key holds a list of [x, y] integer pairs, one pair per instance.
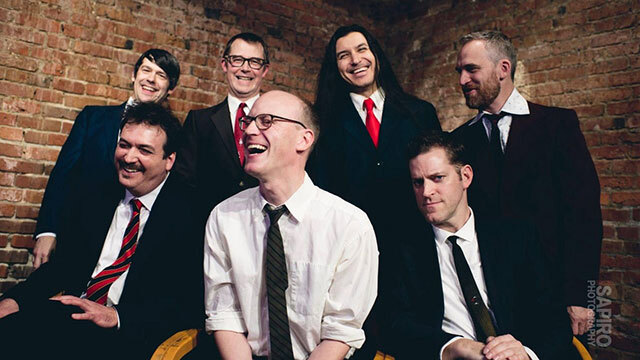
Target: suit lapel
{"points": [[355, 127], [391, 117], [111, 130], [222, 123]]}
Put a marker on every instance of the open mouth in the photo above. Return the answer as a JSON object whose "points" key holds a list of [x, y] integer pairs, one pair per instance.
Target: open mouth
{"points": [[246, 78], [360, 70], [149, 88], [256, 148], [131, 168]]}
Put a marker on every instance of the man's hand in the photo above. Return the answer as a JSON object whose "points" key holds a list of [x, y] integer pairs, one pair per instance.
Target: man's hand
{"points": [[103, 316], [581, 319], [43, 248], [463, 349], [504, 347], [8, 306]]}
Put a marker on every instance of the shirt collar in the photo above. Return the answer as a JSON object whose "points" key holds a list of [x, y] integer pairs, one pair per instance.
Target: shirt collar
{"points": [[299, 202], [377, 97], [467, 232], [516, 104], [147, 199], [234, 102]]}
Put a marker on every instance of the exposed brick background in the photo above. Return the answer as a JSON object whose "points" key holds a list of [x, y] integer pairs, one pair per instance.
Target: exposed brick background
{"points": [[60, 55]]}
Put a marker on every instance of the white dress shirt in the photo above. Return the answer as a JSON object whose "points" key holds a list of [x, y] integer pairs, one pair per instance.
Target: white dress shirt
{"points": [[378, 102], [113, 241], [234, 102], [332, 266], [457, 319], [515, 105]]}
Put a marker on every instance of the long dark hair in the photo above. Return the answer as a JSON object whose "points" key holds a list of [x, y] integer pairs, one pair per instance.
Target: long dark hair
{"points": [[332, 90]]}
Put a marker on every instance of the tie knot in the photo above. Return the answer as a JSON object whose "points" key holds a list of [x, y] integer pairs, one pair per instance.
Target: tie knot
{"points": [[274, 213], [453, 239], [494, 118], [136, 204], [368, 104], [241, 106]]}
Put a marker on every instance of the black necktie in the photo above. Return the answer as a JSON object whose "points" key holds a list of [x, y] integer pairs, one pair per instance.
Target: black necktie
{"points": [[277, 283], [478, 310], [494, 138]]}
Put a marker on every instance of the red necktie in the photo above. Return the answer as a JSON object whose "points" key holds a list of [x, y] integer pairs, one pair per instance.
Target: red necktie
{"points": [[98, 287], [237, 133], [372, 123]]}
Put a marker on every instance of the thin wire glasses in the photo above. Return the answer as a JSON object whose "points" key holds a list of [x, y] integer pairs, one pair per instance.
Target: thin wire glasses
{"points": [[264, 121], [238, 61]]}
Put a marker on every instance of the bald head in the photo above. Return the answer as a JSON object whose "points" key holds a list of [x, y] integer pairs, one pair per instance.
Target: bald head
{"points": [[287, 105]]}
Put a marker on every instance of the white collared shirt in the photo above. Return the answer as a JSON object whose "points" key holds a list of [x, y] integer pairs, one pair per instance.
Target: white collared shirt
{"points": [[113, 241], [378, 102], [457, 319], [332, 266], [234, 102], [515, 105]]}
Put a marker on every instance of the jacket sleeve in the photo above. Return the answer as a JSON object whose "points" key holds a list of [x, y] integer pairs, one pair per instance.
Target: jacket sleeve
{"points": [[187, 162]]}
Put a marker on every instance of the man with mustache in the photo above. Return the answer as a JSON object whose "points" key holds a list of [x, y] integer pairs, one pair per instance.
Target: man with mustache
{"points": [[531, 161], [290, 269], [127, 273], [88, 151], [367, 120], [212, 159]]}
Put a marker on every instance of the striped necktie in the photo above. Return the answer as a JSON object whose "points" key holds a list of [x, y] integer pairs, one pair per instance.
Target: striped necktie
{"points": [[277, 283], [98, 287]]}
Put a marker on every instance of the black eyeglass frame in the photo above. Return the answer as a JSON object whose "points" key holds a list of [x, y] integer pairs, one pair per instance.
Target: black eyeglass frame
{"points": [[246, 120], [253, 62]]}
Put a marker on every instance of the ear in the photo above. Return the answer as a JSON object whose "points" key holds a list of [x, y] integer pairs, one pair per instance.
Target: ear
{"points": [[265, 70], [169, 161], [504, 69], [466, 172], [305, 141], [223, 64], [133, 76]]}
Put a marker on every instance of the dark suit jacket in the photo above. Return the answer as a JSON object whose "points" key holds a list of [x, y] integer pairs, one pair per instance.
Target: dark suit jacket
{"points": [[164, 287], [548, 178], [209, 160], [521, 297], [87, 152]]}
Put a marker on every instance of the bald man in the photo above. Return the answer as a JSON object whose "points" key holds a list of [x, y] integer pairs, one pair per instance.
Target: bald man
{"points": [[290, 269]]}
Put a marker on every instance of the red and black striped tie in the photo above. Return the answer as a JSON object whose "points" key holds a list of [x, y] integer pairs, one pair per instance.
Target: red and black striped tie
{"points": [[98, 287]]}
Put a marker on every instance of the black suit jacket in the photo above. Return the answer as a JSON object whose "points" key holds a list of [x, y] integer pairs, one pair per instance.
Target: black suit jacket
{"points": [[522, 299], [87, 153], [548, 178], [209, 159], [163, 290]]}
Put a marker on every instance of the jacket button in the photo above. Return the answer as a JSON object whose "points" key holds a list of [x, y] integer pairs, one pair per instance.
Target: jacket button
{"points": [[241, 183]]}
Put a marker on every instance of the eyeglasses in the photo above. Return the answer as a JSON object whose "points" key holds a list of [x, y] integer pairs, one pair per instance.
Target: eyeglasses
{"points": [[264, 121], [238, 61]]}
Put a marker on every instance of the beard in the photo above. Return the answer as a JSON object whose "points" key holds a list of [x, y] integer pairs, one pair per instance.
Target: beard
{"points": [[485, 93]]}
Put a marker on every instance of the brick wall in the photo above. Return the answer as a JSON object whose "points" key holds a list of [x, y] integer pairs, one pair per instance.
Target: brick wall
{"points": [[60, 55], [580, 54]]}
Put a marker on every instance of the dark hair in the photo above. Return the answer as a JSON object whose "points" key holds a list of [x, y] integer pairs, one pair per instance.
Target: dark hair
{"points": [[250, 38], [331, 87], [427, 141], [153, 114], [498, 45], [165, 60]]}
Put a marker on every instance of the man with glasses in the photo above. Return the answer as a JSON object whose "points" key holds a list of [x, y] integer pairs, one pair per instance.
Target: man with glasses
{"points": [[290, 269], [212, 159]]}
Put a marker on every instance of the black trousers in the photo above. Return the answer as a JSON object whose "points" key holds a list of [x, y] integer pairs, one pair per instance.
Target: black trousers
{"points": [[46, 329]]}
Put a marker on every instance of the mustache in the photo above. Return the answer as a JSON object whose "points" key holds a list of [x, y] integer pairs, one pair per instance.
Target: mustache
{"points": [[131, 166]]}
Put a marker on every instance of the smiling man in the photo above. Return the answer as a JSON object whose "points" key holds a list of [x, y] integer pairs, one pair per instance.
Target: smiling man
{"points": [[88, 151], [468, 286], [290, 270], [212, 159], [127, 270], [367, 121], [531, 162]]}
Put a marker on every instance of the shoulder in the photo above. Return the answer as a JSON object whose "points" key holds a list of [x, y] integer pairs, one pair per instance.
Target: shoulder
{"points": [[237, 204], [330, 207]]}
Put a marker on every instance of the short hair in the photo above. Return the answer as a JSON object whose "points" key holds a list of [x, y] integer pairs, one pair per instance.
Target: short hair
{"points": [[250, 38], [153, 114], [428, 141], [498, 45], [310, 118], [165, 61]]}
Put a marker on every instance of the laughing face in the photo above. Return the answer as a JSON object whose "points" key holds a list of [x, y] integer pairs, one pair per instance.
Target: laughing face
{"points": [[356, 63], [150, 83], [140, 159], [479, 76], [243, 81], [440, 189]]}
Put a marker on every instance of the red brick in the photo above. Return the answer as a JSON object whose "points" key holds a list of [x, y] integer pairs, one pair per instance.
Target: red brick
{"points": [[3, 270], [17, 226], [80, 102], [20, 166], [10, 150], [10, 133], [7, 210], [6, 179], [628, 233], [617, 215], [68, 86], [40, 153], [33, 196], [22, 241], [14, 256], [631, 198], [4, 240], [31, 181]]}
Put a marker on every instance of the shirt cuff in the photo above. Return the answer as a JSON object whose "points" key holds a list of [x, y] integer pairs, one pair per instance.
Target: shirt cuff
{"points": [[448, 343], [45, 234], [231, 321], [531, 354]]}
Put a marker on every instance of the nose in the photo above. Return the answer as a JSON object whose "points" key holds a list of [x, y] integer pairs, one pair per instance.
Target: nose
{"points": [[129, 156], [252, 128], [464, 77], [245, 66], [428, 189], [355, 58]]}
